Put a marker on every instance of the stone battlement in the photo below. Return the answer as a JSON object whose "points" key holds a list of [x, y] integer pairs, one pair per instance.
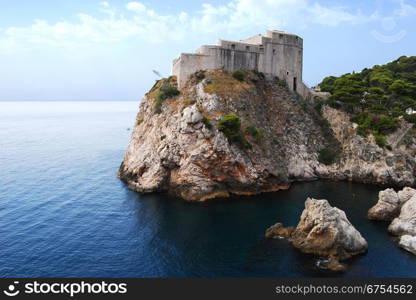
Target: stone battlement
{"points": [[277, 53]]}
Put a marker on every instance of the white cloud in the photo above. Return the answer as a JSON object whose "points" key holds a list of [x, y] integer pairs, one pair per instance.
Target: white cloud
{"points": [[138, 22], [136, 6], [405, 10], [336, 15]]}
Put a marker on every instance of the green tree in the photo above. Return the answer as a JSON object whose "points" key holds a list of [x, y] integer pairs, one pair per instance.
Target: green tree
{"points": [[230, 125]]}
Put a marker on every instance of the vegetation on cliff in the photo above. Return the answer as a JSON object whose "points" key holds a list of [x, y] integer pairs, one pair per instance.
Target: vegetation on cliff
{"points": [[230, 125], [327, 156], [376, 98], [163, 89]]}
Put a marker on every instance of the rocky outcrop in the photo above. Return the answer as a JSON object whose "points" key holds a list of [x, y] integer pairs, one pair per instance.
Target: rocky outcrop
{"points": [[405, 223], [389, 204], [278, 231], [401, 208], [182, 151], [408, 243], [325, 231], [405, 194], [387, 207], [179, 147]]}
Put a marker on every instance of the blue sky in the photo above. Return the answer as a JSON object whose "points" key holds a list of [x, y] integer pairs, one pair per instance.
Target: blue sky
{"points": [[106, 50]]}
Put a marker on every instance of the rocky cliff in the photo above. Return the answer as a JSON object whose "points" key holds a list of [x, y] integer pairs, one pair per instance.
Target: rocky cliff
{"points": [[244, 135], [362, 160]]}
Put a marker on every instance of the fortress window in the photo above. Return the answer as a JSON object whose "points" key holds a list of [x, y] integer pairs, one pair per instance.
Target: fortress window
{"points": [[247, 48], [261, 48], [274, 51], [233, 46], [280, 36], [287, 73]]}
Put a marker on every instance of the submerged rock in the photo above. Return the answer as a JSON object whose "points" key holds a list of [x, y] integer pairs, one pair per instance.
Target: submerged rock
{"points": [[408, 243], [405, 223], [331, 264], [325, 231]]}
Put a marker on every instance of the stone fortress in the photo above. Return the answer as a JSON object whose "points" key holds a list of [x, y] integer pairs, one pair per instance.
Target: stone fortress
{"points": [[277, 54]]}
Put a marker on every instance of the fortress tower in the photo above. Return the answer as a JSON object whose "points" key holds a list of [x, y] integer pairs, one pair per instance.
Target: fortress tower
{"points": [[277, 54]]}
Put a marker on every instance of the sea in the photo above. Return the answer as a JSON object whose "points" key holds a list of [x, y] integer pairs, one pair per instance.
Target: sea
{"points": [[64, 212]]}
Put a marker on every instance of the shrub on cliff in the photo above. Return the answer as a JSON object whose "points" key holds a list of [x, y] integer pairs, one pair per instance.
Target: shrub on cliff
{"points": [[238, 75], [167, 91], [260, 75], [207, 122], [410, 118], [230, 125], [326, 156], [380, 140], [256, 133], [200, 75]]}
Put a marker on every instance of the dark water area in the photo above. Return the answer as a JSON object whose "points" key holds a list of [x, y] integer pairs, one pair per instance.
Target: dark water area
{"points": [[64, 213]]}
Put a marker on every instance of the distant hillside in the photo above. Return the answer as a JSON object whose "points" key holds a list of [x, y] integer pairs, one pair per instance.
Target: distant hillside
{"points": [[376, 98]]}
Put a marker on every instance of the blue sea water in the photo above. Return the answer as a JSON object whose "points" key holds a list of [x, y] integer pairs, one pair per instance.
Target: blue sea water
{"points": [[64, 213]]}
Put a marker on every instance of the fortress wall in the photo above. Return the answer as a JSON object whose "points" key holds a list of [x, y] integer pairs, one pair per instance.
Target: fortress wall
{"points": [[187, 64], [305, 92], [232, 56], [256, 40], [240, 46], [232, 60], [212, 58], [276, 54], [176, 67]]}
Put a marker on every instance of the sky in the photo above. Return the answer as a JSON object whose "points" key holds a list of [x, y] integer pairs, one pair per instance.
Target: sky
{"points": [[106, 50]]}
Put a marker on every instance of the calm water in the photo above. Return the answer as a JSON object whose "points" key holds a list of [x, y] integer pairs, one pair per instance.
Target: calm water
{"points": [[64, 213]]}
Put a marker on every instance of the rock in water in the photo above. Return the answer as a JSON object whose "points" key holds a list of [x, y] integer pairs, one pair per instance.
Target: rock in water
{"points": [[408, 243], [387, 207], [389, 204], [405, 223], [401, 208], [277, 230], [325, 231]]}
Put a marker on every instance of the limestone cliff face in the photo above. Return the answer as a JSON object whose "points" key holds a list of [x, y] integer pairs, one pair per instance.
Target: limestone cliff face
{"points": [[362, 160], [177, 147]]}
